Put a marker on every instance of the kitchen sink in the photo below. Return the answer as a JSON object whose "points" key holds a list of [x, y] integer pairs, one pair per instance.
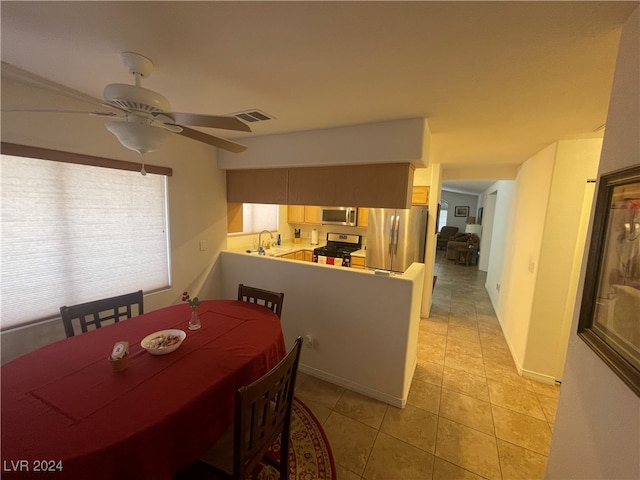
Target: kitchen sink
{"points": [[272, 252], [277, 251]]}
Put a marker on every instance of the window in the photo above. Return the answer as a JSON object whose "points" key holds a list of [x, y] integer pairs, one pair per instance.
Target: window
{"points": [[257, 217], [73, 233], [444, 213]]}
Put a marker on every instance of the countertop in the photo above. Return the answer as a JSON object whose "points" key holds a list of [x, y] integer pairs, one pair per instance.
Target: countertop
{"points": [[287, 246]]}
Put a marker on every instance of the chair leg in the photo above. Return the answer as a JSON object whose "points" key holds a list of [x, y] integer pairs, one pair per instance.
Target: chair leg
{"points": [[284, 456]]}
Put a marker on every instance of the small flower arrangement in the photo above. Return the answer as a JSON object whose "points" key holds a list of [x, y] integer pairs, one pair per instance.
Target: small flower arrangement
{"points": [[193, 302]]}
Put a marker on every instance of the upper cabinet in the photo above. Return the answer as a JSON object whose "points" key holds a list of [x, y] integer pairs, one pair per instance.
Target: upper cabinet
{"points": [[376, 185], [385, 185], [363, 217], [420, 195], [234, 218], [312, 214], [266, 185], [295, 213], [303, 214]]}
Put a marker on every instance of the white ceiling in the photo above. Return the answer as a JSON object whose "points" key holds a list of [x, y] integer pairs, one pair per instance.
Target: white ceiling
{"points": [[472, 187], [498, 81]]}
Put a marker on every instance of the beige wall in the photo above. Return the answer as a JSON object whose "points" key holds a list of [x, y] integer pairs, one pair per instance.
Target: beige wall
{"points": [[456, 199], [597, 429], [364, 326], [393, 141], [576, 161], [535, 265], [497, 217], [433, 178], [522, 249], [197, 199]]}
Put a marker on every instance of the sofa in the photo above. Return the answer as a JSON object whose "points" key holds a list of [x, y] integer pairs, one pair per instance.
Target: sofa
{"points": [[461, 240], [446, 234]]}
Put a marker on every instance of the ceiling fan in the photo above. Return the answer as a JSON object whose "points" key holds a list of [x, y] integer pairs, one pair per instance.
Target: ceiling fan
{"points": [[144, 117]]}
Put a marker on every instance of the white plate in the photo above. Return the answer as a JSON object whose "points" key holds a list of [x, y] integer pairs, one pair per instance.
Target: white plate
{"points": [[147, 342]]}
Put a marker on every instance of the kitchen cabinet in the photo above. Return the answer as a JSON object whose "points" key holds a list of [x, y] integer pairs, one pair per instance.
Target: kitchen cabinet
{"points": [[266, 185], [376, 185], [357, 262], [386, 185], [300, 255], [363, 217], [303, 214], [295, 213], [312, 214], [234, 218], [420, 195]]}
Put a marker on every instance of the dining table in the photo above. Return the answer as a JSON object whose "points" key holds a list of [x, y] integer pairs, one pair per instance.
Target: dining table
{"points": [[67, 414]]}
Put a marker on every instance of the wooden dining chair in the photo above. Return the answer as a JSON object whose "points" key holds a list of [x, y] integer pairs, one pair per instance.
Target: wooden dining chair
{"points": [[262, 413], [272, 300], [97, 312]]}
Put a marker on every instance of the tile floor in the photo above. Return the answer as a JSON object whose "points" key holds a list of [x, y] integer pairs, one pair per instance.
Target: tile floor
{"points": [[469, 415]]}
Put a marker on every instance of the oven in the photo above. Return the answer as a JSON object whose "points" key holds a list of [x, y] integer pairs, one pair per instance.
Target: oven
{"points": [[337, 251], [339, 216]]}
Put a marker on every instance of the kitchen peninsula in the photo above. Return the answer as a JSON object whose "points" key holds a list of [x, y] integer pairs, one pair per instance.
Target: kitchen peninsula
{"points": [[362, 326]]}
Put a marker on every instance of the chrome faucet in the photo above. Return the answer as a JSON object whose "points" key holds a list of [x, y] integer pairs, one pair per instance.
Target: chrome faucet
{"points": [[260, 238]]}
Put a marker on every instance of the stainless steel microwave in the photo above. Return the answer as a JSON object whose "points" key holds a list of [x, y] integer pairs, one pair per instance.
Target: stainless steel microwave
{"points": [[340, 216]]}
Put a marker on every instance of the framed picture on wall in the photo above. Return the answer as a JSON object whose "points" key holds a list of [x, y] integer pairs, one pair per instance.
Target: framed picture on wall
{"points": [[461, 211], [610, 310]]}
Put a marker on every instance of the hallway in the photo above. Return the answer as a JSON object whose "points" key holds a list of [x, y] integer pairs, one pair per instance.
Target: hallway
{"points": [[469, 415]]}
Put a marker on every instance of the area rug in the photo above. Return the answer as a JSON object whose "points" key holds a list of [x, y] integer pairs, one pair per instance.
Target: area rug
{"points": [[310, 456]]}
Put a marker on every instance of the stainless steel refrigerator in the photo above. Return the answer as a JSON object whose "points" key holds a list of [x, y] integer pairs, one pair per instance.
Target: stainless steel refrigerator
{"points": [[396, 238]]}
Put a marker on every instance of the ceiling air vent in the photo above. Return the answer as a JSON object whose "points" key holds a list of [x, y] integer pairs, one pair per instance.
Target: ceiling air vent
{"points": [[253, 116]]}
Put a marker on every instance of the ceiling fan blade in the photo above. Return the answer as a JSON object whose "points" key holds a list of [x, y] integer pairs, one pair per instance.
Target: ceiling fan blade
{"points": [[211, 140], [83, 112], [210, 121]]}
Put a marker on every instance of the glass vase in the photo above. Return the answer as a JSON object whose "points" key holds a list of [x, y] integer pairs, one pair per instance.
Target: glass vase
{"points": [[194, 321]]}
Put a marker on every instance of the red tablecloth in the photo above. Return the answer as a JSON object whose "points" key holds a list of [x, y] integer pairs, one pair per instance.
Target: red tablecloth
{"points": [[64, 407]]}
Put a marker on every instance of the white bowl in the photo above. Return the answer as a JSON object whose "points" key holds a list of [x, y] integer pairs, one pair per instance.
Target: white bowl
{"points": [[153, 343]]}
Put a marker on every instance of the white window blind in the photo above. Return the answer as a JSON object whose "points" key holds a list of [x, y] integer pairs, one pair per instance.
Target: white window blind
{"points": [[257, 217], [74, 233]]}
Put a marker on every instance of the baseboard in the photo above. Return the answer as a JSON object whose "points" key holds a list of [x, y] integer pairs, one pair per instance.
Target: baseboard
{"points": [[531, 375], [538, 377], [356, 387]]}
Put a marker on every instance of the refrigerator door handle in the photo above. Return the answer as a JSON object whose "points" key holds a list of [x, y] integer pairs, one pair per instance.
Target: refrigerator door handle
{"points": [[391, 230], [397, 234]]}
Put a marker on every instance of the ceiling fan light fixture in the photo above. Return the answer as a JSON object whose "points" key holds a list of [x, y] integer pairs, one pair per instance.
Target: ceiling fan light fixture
{"points": [[139, 137]]}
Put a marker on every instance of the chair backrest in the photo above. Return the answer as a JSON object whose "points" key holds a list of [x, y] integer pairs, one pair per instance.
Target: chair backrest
{"points": [[99, 311], [271, 300], [262, 412], [448, 231]]}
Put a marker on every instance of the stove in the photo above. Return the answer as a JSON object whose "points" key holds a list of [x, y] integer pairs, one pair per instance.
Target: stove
{"points": [[338, 249]]}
